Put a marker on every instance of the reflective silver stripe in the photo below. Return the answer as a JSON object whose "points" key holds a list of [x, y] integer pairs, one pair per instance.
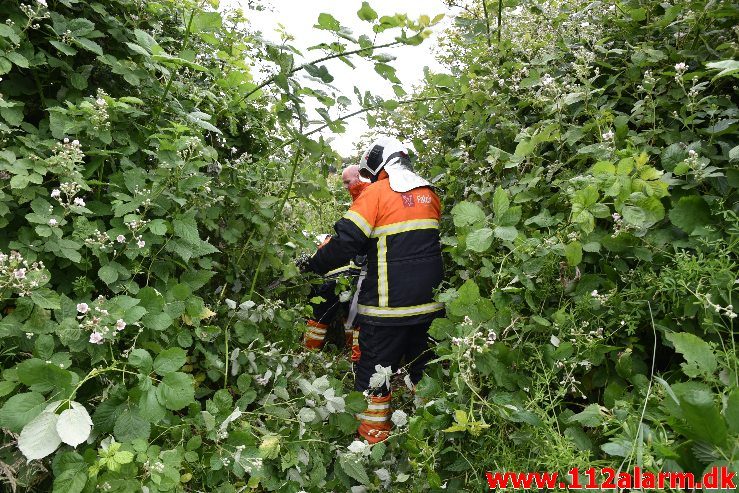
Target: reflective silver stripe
{"points": [[377, 419], [404, 226], [314, 330], [382, 283], [406, 311], [378, 407], [314, 336], [360, 222], [355, 299]]}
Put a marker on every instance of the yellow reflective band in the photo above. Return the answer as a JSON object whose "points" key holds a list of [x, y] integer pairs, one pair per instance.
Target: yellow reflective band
{"points": [[338, 271], [314, 336], [360, 222], [382, 284], [405, 311], [404, 226]]}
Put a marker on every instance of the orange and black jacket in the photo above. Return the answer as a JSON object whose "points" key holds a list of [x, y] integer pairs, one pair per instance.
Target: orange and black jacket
{"points": [[399, 233]]}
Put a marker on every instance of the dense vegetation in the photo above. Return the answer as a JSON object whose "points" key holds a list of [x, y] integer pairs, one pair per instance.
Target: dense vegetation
{"points": [[153, 185]]}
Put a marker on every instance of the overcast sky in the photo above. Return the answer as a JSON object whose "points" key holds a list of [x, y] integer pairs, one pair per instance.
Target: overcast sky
{"points": [[298, 18]]}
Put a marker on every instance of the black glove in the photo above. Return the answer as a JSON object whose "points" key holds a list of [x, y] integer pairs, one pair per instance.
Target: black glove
{"points": [[302, 262]]}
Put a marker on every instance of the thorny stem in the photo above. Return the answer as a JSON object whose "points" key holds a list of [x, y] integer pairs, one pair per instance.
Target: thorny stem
{"points": [[160, 106], [267, 240]]}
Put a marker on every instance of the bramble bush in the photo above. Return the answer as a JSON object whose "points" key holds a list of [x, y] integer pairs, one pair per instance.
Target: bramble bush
{"points": [[152, 185], [145, 176], [589, 159]]}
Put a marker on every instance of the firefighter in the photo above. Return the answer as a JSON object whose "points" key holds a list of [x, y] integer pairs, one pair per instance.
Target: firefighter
{"points": [[395, 221], [325, 311]]}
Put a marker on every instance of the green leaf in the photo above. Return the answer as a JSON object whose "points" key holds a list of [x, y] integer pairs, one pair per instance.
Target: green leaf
{"points": [[354, 468], [320, 73], [46, 298], [701, 414], [108, 274], [20, 409], [645, 211], [590, 416], [699, 357], [732, 411], [366, 13], [70, 481], [176, 391], [7, 31], [170, 360], [387, 72], [90, 45], [141, 359], [726, 67], [39, 438], [734, 154], [573, 252], [206, 21], [328, 22], [63, 47], [43, 377], [690, 212], [506, 233], [467, 214], [74, 424], [480, 240], [501, 202], [130, 425], [157, 321], [17, 58]]}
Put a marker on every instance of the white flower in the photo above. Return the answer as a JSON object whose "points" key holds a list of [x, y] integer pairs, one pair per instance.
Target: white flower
{"points": [[120, 239], [53, 222], [141, 243], [608, 135], [96, 338], [83, 307], [79, 201], [584, 24], [100, 102], [42, 2], [399, 418], [383, 474], [120, 324], [594, 293], [66, 140], [547, 79], [55, 194], [357, 447], [381, 376], [345, 296], [75, 142], [692, 153], [681, 67], [19, 273]]}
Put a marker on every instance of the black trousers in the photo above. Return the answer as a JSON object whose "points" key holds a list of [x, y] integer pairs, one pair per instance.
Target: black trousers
{"points": [[326, 310], [391, 346]]}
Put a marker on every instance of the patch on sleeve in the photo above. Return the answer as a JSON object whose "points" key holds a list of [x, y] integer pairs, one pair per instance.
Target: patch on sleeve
{"points": [[408, 200]]}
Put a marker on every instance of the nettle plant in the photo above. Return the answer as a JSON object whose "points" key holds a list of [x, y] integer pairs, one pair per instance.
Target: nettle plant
{"points": [[143, 178]]}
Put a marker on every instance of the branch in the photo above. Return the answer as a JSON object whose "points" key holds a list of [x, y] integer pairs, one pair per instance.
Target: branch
{"points": [[346, 117], [319, 60], [487, 21]]}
